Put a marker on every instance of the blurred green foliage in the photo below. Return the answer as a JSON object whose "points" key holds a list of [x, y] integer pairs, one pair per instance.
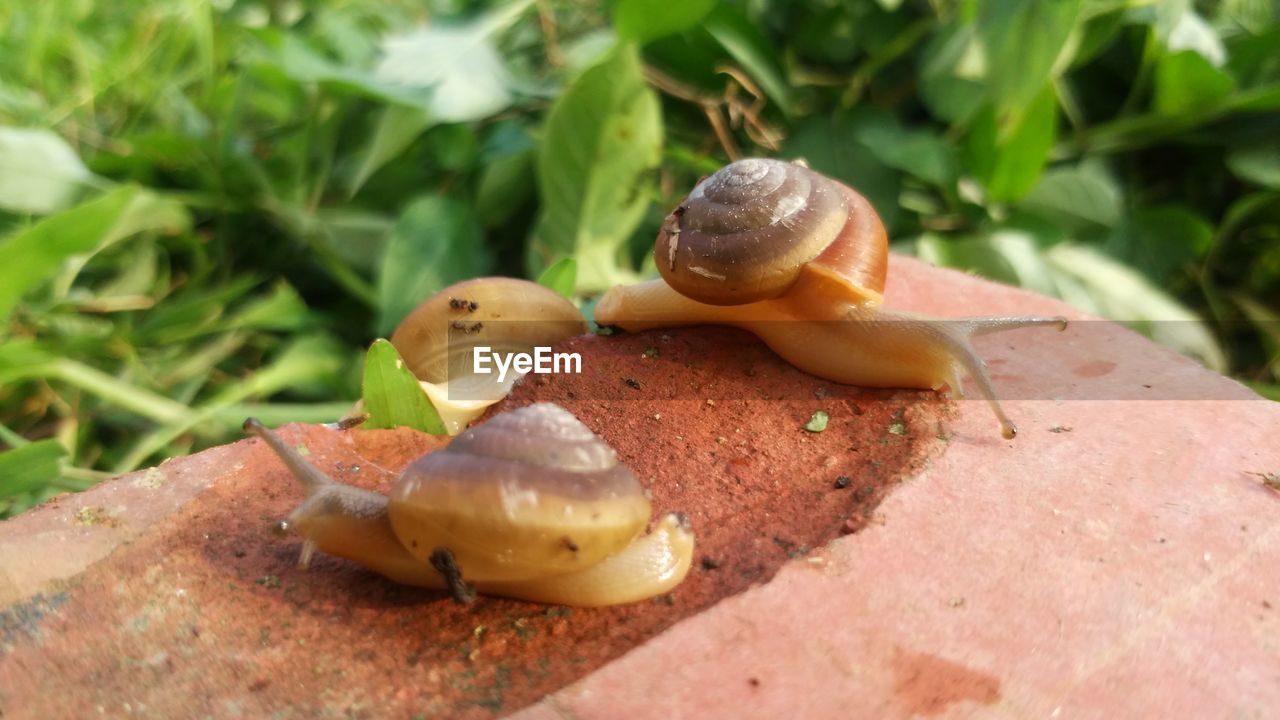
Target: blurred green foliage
{"points": [[209, 208]]}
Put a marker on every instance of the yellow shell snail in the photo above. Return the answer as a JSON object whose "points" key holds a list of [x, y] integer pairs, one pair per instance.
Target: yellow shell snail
{"points": [[530, 504], [439, 337]]}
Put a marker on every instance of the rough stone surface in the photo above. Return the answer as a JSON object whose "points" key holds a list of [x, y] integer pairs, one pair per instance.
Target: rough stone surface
{"points": [[215, 617], [1118, 559]]}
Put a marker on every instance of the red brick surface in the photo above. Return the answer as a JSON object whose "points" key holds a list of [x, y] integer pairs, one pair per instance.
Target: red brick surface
{"points": [[1118, 559]]}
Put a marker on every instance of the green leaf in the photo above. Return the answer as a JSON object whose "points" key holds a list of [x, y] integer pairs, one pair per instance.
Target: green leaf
{"points": [[1161, 241], [508, 159], [1124, 295], [457, 64], [30, 467], [1082, 197], [435, 243], [397, 128], [602, 138], [1258, 163], [34, 254], [751, 49], [818, 422], [1267, 322], [1022, 41], [645, 20], [951, 73], [1009, 254], [282, 309], [1191, 32], [292, 56], [561, 277], [831, 145], [39, 172], [1008, 153], [392, 396], [921, 153], [1188, 83]]}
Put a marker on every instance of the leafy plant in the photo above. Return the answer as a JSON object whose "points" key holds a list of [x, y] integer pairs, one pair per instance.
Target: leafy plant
{"points": [[209, 210]]}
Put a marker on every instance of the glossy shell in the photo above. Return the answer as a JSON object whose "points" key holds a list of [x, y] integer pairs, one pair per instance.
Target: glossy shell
{"points": [[506, 314], [530, 493], [751, 230]]}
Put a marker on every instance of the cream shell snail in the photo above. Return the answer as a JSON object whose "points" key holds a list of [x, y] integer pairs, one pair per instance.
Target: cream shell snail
{"points": [[799, 260], [530, 504], [438, 339]]}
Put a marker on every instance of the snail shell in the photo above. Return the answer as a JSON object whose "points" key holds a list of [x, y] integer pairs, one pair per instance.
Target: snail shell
{"points": [[437, 340], [553, 498], [800, 260], [749, 231], [530, 504]]}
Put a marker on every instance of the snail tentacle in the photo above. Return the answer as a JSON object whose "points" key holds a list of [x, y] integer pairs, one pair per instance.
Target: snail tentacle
{"points": [[958, 336]]}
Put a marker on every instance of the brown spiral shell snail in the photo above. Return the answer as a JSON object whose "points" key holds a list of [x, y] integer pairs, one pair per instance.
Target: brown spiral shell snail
{"points": [[799, 260]]}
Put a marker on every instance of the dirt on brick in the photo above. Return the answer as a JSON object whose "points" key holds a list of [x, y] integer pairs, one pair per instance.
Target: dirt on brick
{"points": [[207, 614]]}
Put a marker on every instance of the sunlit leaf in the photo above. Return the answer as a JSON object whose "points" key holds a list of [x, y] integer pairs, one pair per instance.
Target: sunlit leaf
{"points": [[1007, 153], [30, 467], [645, 20], [1127, 296], [391, 394], [39, 172], [1258, 163], [34, 254], [602, 138], [397, 127], [1084, 196], [561, 277], [951, 73], [1021, 42], [457, 63], [1191, 32], [1011, 255], [1188, 83]]}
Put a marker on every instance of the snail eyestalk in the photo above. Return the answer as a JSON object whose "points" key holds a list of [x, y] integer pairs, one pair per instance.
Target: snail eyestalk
{"points": [[958, 334]]}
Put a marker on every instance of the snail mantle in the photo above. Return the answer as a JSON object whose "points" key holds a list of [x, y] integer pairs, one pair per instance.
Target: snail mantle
{"points": [[1091, 565]]}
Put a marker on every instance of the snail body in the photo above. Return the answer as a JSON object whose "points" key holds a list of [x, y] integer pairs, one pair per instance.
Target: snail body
{"points": [[530, 504], [437, 340], [800, 260]]}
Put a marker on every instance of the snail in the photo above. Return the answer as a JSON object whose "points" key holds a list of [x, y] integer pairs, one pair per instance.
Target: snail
{"points": [[799, 260], [530, 504], [437, 339]]}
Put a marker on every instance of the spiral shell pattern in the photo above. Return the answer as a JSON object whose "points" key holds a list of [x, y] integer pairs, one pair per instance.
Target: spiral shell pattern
{"points": [[747, 232]]}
